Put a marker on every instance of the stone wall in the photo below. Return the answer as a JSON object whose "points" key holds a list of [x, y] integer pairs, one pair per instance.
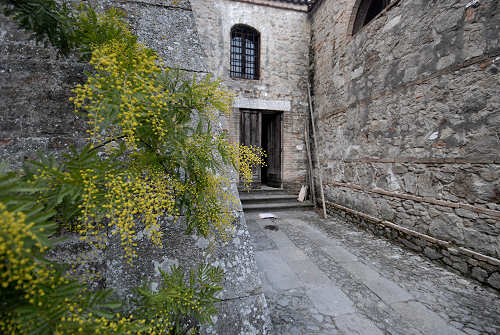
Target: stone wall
{"points": [[408, 113], [35, 84], [284, 66], [483, 268], [35, 115]]}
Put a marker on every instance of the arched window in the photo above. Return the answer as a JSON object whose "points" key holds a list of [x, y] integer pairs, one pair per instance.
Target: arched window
{"points": [[245, 52], [367, 10]]}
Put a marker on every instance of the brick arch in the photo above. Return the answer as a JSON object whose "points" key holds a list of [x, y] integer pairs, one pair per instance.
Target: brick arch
{"points": [[360, 13]]}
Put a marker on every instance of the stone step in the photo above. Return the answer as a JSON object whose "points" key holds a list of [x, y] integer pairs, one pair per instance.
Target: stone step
{"points": [[247, 198], [268, 206], [262, 192]]}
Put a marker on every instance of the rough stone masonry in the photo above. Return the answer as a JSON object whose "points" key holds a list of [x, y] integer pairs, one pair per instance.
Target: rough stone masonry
{"points": [[35, 114], [284, 67], [408, 113]]}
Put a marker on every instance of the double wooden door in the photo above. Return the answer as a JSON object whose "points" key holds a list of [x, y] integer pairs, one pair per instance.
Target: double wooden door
{"points": [[263, 129]]}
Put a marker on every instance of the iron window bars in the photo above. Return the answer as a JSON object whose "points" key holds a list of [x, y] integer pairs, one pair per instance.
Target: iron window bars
{"points": [[245, 52]]}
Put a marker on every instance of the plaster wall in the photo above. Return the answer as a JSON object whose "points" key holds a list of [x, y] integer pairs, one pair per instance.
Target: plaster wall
{"points": [[284, 66], [408, 113]]}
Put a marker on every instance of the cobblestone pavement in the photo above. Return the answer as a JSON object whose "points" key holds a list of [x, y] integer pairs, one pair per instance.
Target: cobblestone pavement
{"points": [[328, 277]]}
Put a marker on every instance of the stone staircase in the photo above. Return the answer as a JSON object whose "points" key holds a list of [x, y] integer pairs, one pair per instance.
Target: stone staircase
{"points": [[271, 199]]}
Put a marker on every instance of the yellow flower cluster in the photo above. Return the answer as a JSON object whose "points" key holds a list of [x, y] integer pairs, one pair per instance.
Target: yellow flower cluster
{"points": [[132, 104], [78, 323], [129, 199], [246, 159], [122, 91], [20, 270], [17, 266], [128, 94], [127, 89], [215, 97], [187, 300], [89, 200], [214, 204]]}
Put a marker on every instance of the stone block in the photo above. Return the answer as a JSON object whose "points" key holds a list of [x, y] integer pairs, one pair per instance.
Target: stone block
{"points": [[330, 300], [479, 274], [292, 254], [410, 244], [356, 324], [466, 213], [489, 174], [276, 271], [488, 267], [460, 266], [421, 242], [432, 253], [410, 181], [386, 289], [494, 280], [386, 211], [399, 168], [427, 185], [472, 261], [309, 274], [424, 319], [448, 261], [480, 242], [339, 253], [447, 227], [245, 315], [280, 239]]}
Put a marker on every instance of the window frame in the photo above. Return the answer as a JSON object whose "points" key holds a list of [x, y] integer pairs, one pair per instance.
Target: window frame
{"points": [[247, 34], [360, 13]]}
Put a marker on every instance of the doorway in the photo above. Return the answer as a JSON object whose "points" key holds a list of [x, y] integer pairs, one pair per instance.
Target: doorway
{"points": [[263, 129]]}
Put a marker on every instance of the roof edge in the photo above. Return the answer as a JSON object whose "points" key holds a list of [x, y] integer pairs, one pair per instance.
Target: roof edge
{"points": [[296, 5]]}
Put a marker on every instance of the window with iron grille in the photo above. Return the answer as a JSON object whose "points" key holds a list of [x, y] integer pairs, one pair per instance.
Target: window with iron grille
{"points": [[245, 52]]}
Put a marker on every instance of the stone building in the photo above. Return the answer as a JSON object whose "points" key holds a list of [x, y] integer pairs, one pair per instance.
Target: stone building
{"points": [[406, 102], [271, 103], [406, 105]]}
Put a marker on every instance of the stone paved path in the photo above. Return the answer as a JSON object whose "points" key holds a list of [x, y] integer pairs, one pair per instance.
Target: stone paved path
{"points": [[328, 277]]}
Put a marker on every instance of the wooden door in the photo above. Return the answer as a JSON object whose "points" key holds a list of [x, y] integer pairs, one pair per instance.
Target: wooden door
{"points": [[251, 134], [273, 129]]}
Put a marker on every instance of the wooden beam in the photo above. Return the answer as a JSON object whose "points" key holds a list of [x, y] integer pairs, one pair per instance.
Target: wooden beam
{"points": [[309, 163], [320, 174]]}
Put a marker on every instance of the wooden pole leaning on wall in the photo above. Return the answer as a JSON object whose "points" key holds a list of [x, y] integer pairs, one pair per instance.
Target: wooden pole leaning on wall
{"points": [[310, 172], [320, 175]]}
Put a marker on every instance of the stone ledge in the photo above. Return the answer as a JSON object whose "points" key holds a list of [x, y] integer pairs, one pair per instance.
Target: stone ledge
{"points": [[482, 268], [179, 4], [495, 214], [426, 161], [272, 105], [275, 4], [481, 257], [394, 226]]}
